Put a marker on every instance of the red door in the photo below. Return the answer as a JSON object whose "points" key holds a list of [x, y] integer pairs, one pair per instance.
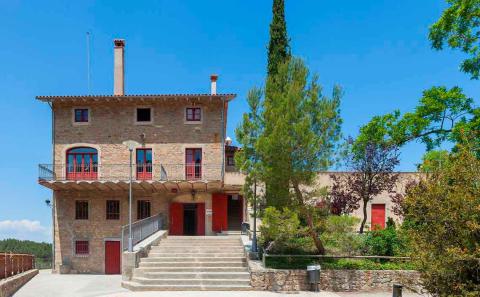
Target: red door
{"points": [[219, 212], [176, 219], [378, 216], [193, 164], [112, 257], [201, 219]]}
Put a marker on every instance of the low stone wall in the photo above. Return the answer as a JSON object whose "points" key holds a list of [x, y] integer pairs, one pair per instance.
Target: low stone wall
{"points": [[11, 284], [333, 280]]}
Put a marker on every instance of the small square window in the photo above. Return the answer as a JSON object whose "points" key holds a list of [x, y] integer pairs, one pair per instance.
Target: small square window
{"points": [[113, 210], [81, 247], [144, 115], [81, 210], [194, 114], [81, 115]]}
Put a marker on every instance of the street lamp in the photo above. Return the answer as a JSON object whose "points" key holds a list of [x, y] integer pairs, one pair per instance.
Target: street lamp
{"points": [[131, 144]]}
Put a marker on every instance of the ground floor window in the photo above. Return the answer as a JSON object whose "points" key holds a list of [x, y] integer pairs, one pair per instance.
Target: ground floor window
{"points": [[81, 210], [113, 209], [143, 209], [81, 247]]}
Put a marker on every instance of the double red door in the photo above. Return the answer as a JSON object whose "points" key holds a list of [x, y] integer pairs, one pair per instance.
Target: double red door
{"points": [[112, 257], [177, 219]]}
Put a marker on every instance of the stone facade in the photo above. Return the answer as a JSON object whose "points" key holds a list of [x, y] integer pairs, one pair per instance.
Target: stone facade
{"points": [[110, 124], [336, 280], [168, 135]]}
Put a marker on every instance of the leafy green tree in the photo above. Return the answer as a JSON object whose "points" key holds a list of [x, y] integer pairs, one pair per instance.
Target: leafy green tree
{"points": [[442, 115], [433, 160], [302, 128], [278, 48], [459, 28], [247, 159], [371, 164], [442, 218]]}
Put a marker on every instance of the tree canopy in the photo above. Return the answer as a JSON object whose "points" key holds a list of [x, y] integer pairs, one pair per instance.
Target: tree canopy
{"points": [[441, 115], [459, 28], [278, 48]]}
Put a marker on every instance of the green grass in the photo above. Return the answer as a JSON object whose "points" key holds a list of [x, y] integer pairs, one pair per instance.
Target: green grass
{"points": [[340, 264]]}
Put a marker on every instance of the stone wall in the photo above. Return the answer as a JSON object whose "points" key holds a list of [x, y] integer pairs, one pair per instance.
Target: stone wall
{"points": [[168, 135], [335, 280], [11, 284]]}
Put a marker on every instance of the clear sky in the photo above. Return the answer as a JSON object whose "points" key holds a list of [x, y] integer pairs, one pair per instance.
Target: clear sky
{"points": [[376, 49]]}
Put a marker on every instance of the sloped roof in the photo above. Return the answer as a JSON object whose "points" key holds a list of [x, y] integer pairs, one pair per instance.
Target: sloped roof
{"points": [[133, 97]]}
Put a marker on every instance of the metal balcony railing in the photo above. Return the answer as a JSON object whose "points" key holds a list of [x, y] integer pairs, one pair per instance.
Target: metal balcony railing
{"points": [[121, 172]]}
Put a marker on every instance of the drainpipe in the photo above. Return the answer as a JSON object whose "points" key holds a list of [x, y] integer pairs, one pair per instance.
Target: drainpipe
{"points": [[223, 139], [53, 196]]}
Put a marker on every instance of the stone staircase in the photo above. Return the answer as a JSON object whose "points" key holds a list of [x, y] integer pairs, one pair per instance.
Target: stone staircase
{"points": [[193, 263]]}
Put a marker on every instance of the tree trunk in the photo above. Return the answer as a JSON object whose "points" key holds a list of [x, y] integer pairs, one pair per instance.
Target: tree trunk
{"points": [[364, 220], [311, 227]]}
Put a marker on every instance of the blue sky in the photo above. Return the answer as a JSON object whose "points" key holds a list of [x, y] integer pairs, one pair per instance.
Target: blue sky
{"points": [[377, 50]]}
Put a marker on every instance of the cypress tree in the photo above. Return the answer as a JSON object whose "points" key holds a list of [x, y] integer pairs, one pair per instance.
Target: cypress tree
{"points": [[278, 48]]}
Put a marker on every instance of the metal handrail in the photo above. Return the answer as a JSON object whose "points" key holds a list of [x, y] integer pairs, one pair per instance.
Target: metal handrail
{"points": [[120, 172], [142, 229]]}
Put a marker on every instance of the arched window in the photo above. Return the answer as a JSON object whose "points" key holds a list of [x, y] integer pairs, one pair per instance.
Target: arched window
{"points": [[82, 163]]}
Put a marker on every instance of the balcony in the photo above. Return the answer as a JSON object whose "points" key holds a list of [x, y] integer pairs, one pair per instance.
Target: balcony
{"points": [[148, 177]]}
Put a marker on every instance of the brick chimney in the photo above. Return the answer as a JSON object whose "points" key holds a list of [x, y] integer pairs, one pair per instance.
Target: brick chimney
{"points": [[213, 80], [119, 67]]}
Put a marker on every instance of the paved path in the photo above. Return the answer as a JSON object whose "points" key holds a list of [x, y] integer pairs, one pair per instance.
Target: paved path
{"points": [[46, 284]]}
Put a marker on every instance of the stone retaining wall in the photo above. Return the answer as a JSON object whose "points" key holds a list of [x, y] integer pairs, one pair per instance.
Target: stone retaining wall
{"points": [[334, 280], [11, 284]]}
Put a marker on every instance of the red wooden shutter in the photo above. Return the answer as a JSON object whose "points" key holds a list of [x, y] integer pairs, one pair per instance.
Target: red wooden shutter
{"points": [[378, 216], [201, 219], [176, 219], [219, 212]]}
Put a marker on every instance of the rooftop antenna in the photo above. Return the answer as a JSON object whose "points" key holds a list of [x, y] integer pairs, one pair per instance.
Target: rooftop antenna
{"points": [[88, 63]]}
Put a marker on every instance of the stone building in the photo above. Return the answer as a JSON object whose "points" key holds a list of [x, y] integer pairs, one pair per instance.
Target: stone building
{"points": [[183, 173]]}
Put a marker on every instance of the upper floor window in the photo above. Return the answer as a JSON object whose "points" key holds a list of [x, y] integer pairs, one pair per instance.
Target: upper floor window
{"points": [[81, 210], [82, 163], [193, 114], [81, 115], [113, 209], [144, 163], [143, 209], [193, 163], [143, 115]]}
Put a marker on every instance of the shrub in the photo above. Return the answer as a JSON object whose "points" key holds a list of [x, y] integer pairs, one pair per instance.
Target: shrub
{"points": [[386, 242], [340, 237], [282, 233]]}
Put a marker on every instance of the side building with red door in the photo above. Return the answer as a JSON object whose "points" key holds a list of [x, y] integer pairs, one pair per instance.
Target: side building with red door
{"points": [[177, 166]]}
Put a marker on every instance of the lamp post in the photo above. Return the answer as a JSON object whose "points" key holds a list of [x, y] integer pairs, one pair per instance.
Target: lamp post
{"points": [[131, 144], [254, 238]]}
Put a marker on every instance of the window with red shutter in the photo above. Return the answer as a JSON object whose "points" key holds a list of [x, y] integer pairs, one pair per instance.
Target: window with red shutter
{"points": [[194, 114]]}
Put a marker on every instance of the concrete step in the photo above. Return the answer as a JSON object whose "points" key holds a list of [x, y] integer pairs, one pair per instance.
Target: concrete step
{"points": [[197, 244], [190, 259], [194, 275], [195, 249], [193, 255], [134, 286], [183, 268], [188, 281], [192, 264]]}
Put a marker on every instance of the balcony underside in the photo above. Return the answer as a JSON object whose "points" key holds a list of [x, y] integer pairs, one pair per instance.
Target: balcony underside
{"points": [[137, 185]]}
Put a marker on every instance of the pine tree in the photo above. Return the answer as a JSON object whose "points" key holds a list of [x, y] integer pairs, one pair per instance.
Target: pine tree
{"points": [[278, 48]]}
